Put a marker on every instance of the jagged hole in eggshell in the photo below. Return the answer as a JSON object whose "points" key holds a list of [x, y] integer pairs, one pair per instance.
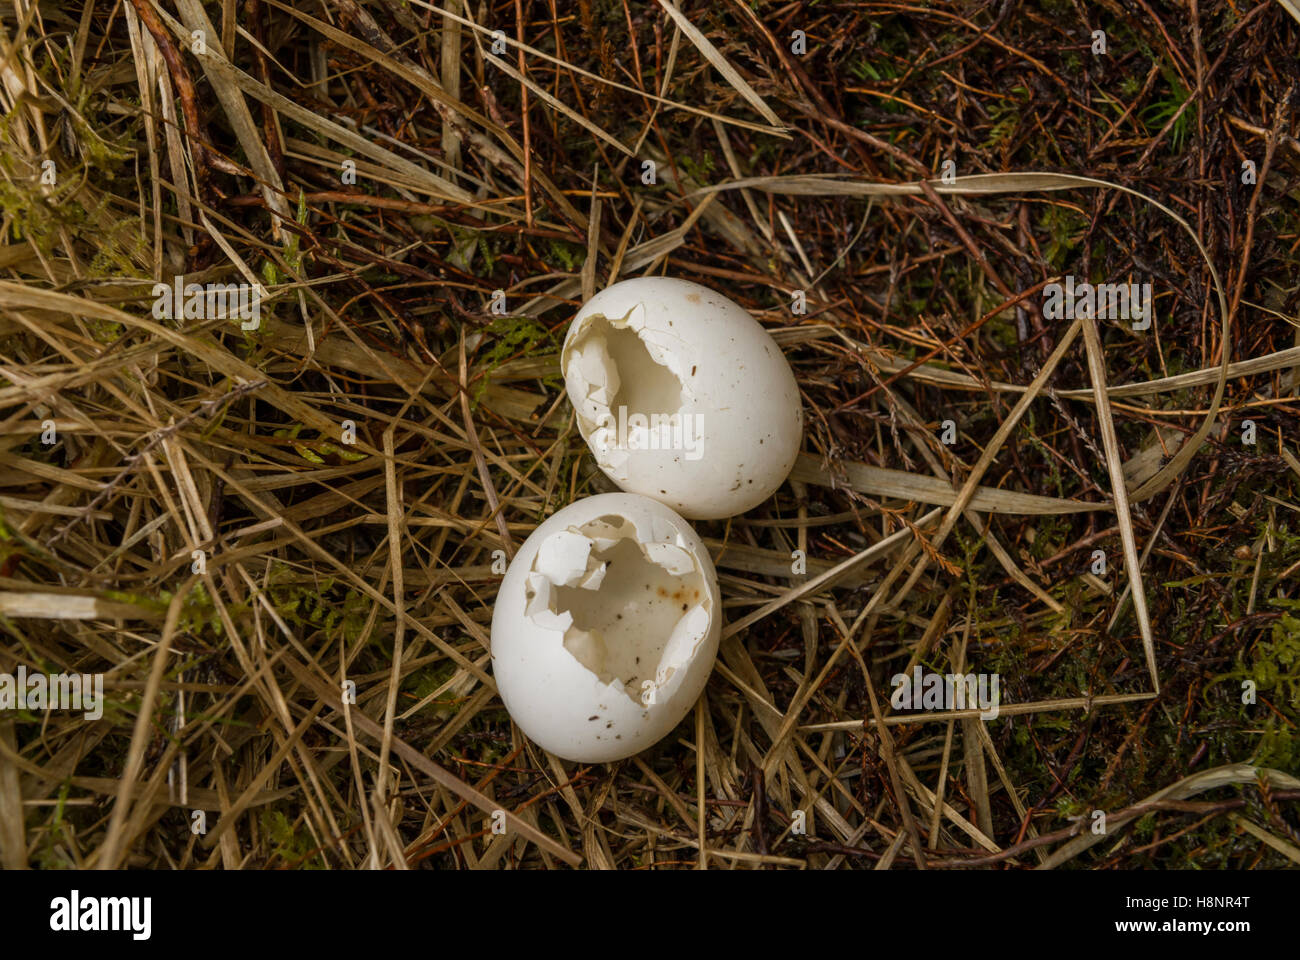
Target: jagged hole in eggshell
{"points": [[618, 371], [645, 387], [639, 620]]}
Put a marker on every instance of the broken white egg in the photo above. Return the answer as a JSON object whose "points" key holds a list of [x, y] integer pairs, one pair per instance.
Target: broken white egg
{"points": [[606, 627], [682, 396]]}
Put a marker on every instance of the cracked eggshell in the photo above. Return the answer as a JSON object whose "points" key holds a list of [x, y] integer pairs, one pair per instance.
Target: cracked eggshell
{"points": [[606, 627], [657, 346]]}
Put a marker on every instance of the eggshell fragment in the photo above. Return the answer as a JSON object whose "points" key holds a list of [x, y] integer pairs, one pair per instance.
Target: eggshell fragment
{"points": [[682, 396], [605, 628]]}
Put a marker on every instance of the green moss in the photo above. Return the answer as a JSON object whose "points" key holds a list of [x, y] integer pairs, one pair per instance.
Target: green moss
{"points": [[568, 256], [1064, 227], [289, 842], [513, 338]]}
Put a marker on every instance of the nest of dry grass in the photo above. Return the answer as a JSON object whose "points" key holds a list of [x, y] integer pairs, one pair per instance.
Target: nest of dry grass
{"points": [[233, 526]]}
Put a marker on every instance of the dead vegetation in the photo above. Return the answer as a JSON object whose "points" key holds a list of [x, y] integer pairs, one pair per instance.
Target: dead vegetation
{"points": [[236, 521]]}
